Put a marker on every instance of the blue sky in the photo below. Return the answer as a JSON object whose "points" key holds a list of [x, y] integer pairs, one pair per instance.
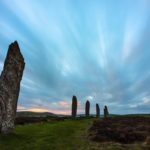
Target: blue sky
{"points": [[95, 49]]}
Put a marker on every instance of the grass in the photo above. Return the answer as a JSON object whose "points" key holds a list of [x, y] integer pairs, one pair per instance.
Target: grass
{"points": [[57, 135]]}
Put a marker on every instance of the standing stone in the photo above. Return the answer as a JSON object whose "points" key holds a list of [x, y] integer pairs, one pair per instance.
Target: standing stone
{"points": [[87, 108], [74, 106], [10, 86], [106, 113], [97, 111]]}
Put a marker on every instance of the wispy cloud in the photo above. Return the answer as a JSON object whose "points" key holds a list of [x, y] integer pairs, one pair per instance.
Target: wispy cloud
{"points": [[95, 50]]}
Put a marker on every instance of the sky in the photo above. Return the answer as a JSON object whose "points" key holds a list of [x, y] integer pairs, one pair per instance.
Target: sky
{"points": [[98, 50]]}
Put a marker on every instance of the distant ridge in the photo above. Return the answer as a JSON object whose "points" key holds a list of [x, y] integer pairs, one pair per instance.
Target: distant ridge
{"points": [[35, 114]]}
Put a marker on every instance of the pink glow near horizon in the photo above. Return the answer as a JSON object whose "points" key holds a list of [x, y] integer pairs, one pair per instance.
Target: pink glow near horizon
{"points": [[37, 109]]}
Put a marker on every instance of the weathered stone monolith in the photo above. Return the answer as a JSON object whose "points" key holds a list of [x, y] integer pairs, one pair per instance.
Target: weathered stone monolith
{"points": [[97, 111], [87, 108], [106, 113], [74, 106], [10, 86]]}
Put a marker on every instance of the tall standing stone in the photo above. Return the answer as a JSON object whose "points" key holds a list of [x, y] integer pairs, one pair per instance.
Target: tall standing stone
{"points": [[87, 108], [97, 111], [74, 106], [106, 113], [10, 86]]}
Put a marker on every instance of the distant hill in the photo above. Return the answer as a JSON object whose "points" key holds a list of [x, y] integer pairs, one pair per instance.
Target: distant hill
{"points": [[48, 114], [35, 114]]}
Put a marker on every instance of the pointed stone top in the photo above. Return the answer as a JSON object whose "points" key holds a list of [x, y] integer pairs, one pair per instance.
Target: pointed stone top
{"points": [[14, 52], [14, 57], [14, 45]]}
